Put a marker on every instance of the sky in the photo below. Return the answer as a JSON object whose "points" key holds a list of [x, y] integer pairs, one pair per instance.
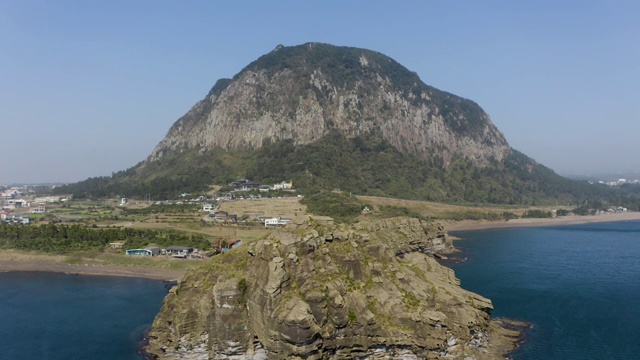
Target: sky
{"points": [[88, 88]]}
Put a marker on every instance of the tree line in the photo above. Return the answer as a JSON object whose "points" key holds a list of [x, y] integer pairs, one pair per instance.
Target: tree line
{"points": [[55, 238]]}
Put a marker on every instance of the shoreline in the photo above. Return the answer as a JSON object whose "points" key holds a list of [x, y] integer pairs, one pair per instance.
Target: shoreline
{"points": [[511, 333], [467, 225], [20, 262]]}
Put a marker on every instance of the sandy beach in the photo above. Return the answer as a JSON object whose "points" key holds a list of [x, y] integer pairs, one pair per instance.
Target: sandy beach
{"points": [[557, 221], [16, 261]]}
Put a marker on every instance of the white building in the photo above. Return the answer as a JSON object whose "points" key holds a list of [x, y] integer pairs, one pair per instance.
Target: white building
{"points": [[47, 199], [283, 185], [16, 203], [8, 194], [276, 221]]}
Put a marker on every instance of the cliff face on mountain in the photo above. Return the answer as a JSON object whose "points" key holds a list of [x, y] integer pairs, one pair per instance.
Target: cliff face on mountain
{"points": [[302, 93], [316, 290]]}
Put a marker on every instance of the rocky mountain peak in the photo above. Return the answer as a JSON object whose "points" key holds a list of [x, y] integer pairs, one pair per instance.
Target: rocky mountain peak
{"points": [[302, 93]]}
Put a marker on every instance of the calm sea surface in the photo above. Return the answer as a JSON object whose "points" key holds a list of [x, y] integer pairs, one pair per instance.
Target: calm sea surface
{"points": [[578, 285], [57, 316]]}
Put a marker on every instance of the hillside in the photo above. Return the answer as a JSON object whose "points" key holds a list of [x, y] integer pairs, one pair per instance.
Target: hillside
{"points": [[332, 117]]}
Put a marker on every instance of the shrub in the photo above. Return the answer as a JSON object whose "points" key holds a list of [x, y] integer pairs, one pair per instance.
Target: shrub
{"points": [[341, 207], [537, 214], [582, 210]]}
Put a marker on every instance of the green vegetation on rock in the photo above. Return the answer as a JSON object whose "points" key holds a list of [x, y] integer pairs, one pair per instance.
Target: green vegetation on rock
{"points": [[365, 165]]}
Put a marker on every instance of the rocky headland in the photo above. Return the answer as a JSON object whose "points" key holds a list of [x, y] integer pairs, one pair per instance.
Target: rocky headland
{"points": [[320, 290]]}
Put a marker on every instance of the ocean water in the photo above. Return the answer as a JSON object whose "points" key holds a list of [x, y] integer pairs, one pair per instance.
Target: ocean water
{"points": [[53, 316], [578, 285]]}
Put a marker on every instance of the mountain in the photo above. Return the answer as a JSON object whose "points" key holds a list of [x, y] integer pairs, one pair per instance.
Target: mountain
{"points": [[331, 117], [302, 93]]}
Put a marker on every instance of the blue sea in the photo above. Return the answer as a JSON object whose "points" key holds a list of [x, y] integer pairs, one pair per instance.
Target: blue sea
{"points": [[54, 316], [578, 285]]}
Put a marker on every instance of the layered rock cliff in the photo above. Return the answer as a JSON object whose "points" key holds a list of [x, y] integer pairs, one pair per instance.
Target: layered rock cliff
{"points": [[315, 290], [301, 93]]}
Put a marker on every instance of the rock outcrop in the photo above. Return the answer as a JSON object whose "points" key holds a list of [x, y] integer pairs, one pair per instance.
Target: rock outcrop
{"points": [[315, 290], [301, 93]]}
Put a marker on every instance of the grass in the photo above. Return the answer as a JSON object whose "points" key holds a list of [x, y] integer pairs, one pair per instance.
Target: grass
{"points": [[175, 264], [440, 211], [99, 258], [216, 230], [122, 260], [283, 207]]}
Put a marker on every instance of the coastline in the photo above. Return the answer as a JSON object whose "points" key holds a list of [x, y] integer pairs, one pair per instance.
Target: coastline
{"points": [[14, 261], [512, 333], [465, 225]]}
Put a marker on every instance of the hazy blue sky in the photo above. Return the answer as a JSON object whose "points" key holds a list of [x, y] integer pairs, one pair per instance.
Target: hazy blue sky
{"points": [[90, 87]]}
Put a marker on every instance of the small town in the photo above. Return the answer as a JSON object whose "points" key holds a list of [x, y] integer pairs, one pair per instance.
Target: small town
{"points": [[211, 215]]}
